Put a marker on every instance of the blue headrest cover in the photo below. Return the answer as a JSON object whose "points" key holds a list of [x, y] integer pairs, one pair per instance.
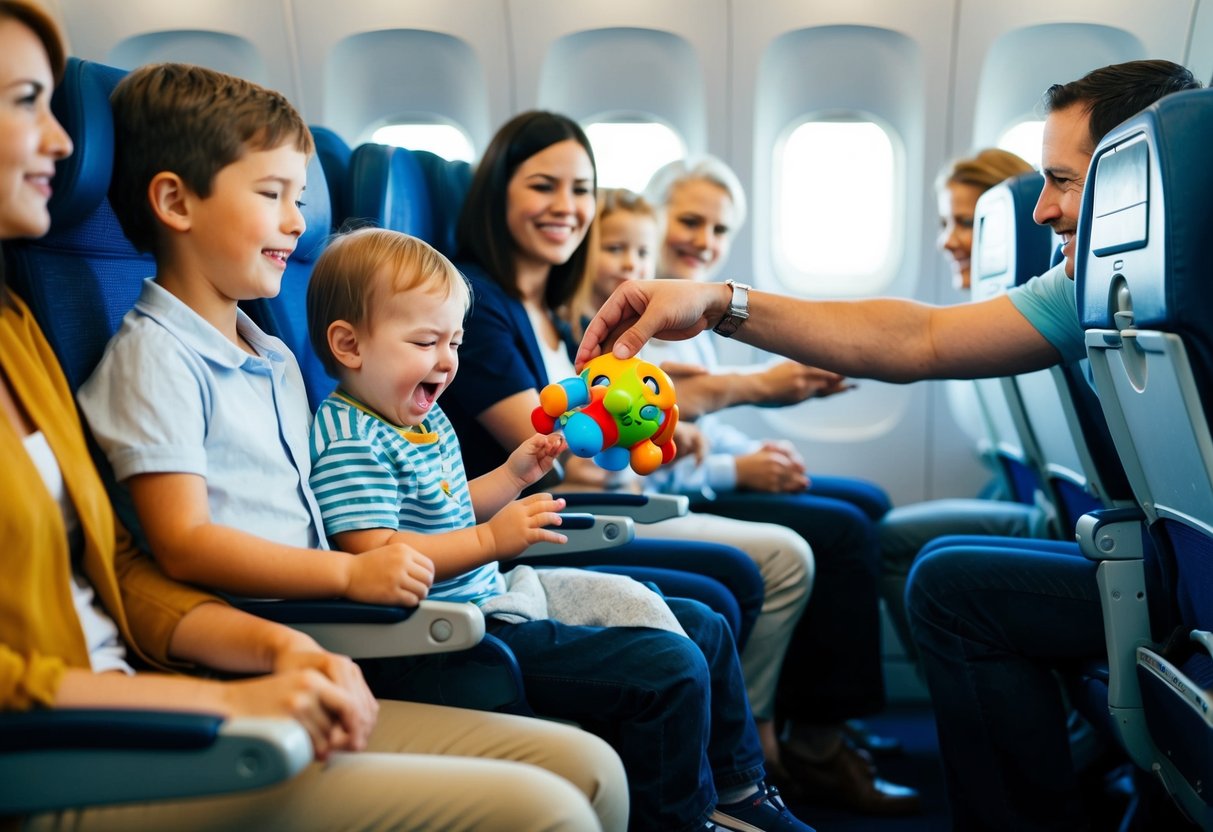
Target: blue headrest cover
{"points": [[388, 189], [316, 212], [448, 185], [1033, 243], [334, 155], [1009, 247], [82, 179]]}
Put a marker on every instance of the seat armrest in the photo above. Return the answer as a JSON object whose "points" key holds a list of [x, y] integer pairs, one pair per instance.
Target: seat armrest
{"points": [[587, 533], [371, 631], [642, 508], [62, 759], [1111, 533]]}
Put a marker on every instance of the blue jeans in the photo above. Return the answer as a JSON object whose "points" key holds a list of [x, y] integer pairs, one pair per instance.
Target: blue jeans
{"points": [[674, 708], [832, 670], [717, 562], [869, 497], [992, 622]]}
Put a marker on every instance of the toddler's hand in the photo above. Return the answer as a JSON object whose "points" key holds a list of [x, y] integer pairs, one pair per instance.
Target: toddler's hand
{"points": [[392, 574], [522, 522], [534, 458]]}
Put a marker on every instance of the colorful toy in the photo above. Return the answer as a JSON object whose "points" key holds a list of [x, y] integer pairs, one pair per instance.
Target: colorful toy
{"points": [[616, 411]]}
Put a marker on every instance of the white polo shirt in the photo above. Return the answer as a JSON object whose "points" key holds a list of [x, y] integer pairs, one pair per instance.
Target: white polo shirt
{"points": [[172, 394]]}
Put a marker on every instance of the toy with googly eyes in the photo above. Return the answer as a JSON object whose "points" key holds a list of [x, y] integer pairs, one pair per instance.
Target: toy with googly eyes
{"points": [[619, 412]]}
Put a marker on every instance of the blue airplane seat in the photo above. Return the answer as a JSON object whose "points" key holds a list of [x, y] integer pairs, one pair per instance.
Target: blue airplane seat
{"points": [[1065, 449], [1142, 287], [448, 183], [1008, 249], [80, 315], [334, 155], [84, 276], [387, 188], [286, 314]]}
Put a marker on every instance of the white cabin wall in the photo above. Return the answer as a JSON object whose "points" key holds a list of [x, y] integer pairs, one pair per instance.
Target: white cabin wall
{"points": [[224, 34], [668, 60], [1199, 57], [891, 61]]}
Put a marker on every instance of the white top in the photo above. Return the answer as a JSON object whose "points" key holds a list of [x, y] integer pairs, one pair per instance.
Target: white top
{"points": [[556, 362], [105, 650]]}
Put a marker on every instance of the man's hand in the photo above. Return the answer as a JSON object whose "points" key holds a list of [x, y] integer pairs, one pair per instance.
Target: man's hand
{"points": [[673, 310]]}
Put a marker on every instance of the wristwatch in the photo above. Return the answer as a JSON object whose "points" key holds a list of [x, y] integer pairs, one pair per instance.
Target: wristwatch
{"points": [[739, 309]]}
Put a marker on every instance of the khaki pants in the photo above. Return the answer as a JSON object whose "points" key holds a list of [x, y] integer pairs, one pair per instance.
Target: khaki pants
{"points": [[786, 564], [427, 768]]}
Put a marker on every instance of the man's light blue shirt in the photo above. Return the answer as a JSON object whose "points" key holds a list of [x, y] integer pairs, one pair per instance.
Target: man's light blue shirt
{"points": [[1051, 306], [173, 395]]}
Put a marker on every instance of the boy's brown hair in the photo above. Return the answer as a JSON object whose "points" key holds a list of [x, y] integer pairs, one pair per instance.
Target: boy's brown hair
{"points": [[194, 122], [359, 268]]}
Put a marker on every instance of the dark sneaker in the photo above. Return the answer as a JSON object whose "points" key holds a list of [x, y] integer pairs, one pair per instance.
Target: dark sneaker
{"points": [[761, 812]]}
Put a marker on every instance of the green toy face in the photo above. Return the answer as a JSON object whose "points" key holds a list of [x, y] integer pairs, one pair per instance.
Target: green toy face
{"points": [[636, 396]]}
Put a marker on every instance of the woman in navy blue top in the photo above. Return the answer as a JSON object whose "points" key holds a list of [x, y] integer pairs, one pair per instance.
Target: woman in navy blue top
{"points": [[523, 246]]}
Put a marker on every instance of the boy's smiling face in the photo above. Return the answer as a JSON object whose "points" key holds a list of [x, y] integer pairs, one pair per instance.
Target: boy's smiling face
{"points": [[241, 235], [407, 354]]}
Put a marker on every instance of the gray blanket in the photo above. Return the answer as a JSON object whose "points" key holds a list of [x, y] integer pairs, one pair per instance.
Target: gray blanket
{"points": [[581, 598]]}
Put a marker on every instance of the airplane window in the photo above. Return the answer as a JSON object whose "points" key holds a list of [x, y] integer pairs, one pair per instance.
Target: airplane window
{"points": [[836, 191], [629, 152], [1023, 139], [445, 140]]}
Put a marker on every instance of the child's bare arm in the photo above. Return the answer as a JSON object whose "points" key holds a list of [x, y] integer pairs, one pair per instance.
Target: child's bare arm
{"points": [[175, 516], [533, 458], [509, 532]]}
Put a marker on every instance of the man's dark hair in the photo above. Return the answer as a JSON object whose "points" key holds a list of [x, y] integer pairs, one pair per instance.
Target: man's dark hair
{"points": [[1116, 93]]}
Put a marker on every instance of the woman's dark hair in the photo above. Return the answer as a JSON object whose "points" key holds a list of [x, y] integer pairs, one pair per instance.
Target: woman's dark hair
{"points": [[483, 235]]}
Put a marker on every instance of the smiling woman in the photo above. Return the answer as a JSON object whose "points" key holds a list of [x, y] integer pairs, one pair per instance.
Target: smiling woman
{"points": [[30, 138]]}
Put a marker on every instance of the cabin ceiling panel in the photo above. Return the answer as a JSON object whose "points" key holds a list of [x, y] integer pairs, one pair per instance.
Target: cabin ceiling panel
{"points": [[1009, 53], [253, 40], [323, 26], [592, 54]]}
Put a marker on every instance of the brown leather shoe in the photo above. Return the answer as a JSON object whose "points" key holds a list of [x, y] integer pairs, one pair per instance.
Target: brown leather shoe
{"points": [[848, 778]]}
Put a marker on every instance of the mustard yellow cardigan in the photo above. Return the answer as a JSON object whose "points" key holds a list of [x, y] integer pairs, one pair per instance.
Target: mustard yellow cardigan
{"points": [[40, 634]]}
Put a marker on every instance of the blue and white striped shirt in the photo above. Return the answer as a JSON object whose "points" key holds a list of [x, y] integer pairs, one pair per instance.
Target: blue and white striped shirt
{"points": [[369, 474]]}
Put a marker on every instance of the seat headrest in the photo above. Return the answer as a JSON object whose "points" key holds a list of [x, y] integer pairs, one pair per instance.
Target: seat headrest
{"points": [[448, 186], [1146, 224], [334, 155], [81, 103], [388, 189], [1009, 248], [317, 212]]}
